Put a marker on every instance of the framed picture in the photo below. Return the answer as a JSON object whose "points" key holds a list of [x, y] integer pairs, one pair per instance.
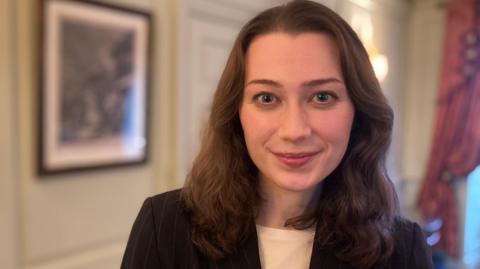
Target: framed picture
{"points": [[94, 90]]}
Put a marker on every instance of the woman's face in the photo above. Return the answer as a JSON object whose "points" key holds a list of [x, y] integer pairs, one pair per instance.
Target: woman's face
{"points": [[295, 113]]}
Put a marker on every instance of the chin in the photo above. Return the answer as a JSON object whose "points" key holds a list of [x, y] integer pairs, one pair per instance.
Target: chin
{"points": [[298, 184]]}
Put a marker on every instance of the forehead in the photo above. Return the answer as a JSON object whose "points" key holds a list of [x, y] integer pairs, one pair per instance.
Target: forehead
{"points": [[293, 55]]}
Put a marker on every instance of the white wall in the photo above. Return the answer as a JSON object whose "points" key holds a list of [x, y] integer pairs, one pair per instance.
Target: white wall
{"points": [[78, 220], [425, 44], [8, 213]]}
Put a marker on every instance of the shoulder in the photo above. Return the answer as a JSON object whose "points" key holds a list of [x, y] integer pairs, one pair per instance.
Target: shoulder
{"points": [[410, 248], [165, 203], [168, 212], [403, 227], [161, 207], [160, 237]]}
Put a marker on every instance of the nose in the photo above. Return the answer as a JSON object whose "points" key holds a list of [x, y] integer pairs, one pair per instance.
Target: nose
{"points": [[294, 124]]}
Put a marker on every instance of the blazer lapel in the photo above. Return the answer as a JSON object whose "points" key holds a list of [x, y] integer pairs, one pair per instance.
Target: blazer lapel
{"points": [[317, 260], [325, 259], [322, 259], [251, 252], [246, 257]]}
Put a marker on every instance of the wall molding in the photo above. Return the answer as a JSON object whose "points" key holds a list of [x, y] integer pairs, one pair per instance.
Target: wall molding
{"points": [[108, 256], [397, 9], [9, 234]]}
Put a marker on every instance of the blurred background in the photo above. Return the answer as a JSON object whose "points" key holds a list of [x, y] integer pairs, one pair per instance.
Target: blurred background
{"points": [[82, 219]]}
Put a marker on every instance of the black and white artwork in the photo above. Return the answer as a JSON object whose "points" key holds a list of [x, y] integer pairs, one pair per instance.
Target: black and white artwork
{"points": [[94, 90], [97, 83]]}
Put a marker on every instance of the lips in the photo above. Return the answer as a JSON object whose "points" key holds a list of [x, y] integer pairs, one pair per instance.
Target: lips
{"points": [[295, 160]]}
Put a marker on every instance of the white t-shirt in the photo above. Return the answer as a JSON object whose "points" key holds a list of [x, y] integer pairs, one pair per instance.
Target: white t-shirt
{"points": [[281, 249]]}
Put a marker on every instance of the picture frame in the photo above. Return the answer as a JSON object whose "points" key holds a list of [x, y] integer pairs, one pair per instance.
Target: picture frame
{"points": [[93, 103]]}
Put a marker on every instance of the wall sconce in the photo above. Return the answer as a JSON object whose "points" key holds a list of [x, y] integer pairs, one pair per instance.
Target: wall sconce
{"points": [[362, 23], [379, 63]]}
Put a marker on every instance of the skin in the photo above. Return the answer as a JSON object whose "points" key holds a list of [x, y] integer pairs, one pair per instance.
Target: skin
{"points": [[296, 116]]}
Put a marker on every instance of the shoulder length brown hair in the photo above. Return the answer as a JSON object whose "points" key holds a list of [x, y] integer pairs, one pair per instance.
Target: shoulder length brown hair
{"points": [[355, 211]]}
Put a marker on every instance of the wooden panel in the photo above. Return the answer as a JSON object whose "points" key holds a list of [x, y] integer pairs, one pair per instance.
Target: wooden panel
{"points": [[105, 257], [8, 216], [204, 57], [329, 3], [425, 44], [63, 216], [234, 7]]}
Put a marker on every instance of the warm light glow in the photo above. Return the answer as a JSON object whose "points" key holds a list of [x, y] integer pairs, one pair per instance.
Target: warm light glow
{"points": [[380, 65], [361, 22], [367, 4]]}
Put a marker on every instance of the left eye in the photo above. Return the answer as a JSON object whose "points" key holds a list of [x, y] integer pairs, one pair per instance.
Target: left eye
{"points": [[322, 97]]}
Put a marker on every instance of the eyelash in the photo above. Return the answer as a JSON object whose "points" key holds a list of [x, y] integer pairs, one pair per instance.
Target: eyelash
{"points": [[257, 98], [325, 93]]}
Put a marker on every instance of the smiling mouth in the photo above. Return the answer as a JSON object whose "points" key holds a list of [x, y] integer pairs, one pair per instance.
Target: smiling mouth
{"points": [[295, 160]]}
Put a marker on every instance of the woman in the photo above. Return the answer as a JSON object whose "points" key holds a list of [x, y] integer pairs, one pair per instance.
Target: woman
{"points": [[291, 169]]}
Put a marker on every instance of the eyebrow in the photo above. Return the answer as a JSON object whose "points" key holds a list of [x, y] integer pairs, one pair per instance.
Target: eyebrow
{"points": [[308, 84]]}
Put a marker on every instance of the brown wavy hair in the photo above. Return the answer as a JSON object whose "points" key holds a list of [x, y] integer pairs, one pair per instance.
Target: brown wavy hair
{"points": [[355, 212]]}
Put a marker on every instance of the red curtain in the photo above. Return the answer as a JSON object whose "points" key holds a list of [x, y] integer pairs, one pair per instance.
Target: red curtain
{"points": [[456, 143]]}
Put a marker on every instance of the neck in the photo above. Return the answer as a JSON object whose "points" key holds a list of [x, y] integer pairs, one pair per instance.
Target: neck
{"points": [[279, 205]]}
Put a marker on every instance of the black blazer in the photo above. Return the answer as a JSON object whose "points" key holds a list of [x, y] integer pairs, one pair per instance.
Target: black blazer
{"points": [[160, 239]]}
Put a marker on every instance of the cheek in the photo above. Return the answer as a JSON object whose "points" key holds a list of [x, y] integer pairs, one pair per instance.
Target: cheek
{"points": [[336, 127], [255, 126]]}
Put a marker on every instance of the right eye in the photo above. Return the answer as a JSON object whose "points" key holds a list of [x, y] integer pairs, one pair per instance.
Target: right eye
{"points": [[265, 99]]}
